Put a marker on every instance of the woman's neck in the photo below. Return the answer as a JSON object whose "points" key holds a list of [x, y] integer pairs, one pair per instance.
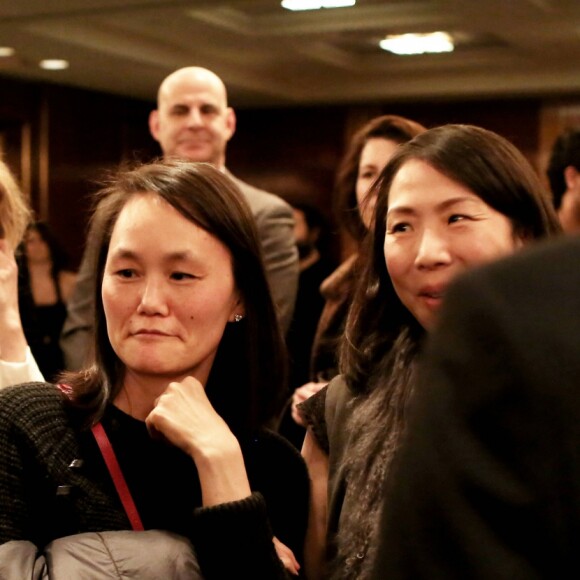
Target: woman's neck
{"points": [[138, 394]]}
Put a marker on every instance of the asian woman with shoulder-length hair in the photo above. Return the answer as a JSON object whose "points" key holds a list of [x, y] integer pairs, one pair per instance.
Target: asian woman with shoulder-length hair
{"points": [[250, 363], [452, 198], [188, 369]]}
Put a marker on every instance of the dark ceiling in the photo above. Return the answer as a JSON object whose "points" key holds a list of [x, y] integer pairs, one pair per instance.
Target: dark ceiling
{"points": [[270, 56]]}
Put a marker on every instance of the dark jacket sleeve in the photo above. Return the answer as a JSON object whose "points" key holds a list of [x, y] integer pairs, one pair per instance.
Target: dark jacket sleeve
{"points": [[312, 411], [486, 482], [275, 228]]}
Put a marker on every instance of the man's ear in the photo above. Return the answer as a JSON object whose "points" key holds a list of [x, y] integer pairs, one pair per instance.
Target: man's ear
{"points": [[572, 177], [230, 122], [154, 124]]}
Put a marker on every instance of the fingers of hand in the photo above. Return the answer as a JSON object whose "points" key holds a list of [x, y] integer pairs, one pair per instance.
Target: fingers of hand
{"points": [[296, 416], [300, 395], [175, 413], [313, 388], [186, 417], [287, 556]]}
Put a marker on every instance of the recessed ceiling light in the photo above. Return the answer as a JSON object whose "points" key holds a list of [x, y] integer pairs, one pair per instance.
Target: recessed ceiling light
{"points": [[53, 64], [6, 51], [433, 42], [316, 4]]}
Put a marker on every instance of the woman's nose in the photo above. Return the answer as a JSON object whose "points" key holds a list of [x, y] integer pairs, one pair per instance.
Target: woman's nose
{"points": [[154, 300], [433, 249]]}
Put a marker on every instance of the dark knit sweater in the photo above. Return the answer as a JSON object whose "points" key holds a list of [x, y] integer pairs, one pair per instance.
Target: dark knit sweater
{"points": [[44, 495]]}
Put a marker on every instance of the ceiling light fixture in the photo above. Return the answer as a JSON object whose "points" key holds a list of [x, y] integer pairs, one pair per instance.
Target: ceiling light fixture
{"points": [[316, 4], [6, 51], [53, 64], [433, 42]]}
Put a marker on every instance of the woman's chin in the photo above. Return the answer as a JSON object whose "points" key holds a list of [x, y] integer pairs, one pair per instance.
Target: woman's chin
{"points": [[153, 368]]}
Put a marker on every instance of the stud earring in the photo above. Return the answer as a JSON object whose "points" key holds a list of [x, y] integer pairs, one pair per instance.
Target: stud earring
{"points": [[238, 317]]}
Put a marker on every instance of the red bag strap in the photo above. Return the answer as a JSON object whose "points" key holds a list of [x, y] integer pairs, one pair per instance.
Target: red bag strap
{"points": [[117, 476], [113, 467]]}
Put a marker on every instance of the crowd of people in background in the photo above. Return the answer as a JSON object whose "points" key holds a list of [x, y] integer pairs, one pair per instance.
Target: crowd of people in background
{"points": [[208, 337]]}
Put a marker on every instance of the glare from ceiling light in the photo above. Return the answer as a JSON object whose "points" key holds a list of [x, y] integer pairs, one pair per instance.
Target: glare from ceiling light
{"points": [[433, 42], [6, 51], [53, 64], [316, 4]]}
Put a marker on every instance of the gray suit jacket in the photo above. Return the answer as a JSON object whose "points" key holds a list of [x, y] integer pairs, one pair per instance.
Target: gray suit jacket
{"points": [[275, 225]]}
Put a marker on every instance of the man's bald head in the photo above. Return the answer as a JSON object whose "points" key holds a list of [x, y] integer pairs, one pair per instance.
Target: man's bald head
{"points": [[193, 120], [192, 75]]}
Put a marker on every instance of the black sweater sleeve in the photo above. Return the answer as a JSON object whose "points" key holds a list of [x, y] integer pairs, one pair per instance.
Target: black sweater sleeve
{"points": [[235, 539]]}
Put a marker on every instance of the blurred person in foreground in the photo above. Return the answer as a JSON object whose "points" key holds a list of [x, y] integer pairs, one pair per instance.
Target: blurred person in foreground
{"points": [[487, 482]]}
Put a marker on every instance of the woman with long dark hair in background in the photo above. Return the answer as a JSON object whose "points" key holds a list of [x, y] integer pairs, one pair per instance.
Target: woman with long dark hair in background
{"points": [[369, 150], [45, 285]]}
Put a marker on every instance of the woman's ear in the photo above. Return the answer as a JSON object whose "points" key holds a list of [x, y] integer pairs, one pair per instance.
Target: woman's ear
{"points": [[239, 310], [521, 238], [572, 177]]}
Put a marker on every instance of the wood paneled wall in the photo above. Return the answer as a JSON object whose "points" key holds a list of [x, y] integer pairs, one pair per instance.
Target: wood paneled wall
{"points": [[60, 140]]}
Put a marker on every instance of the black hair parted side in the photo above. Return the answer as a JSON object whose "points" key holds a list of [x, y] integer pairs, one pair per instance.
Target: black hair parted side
{"points": [[247, 381]]}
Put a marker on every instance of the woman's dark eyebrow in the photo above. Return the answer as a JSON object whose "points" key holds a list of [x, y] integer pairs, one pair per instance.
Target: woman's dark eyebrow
{"points": [[127, 254], [124, 254], [407, 210]]}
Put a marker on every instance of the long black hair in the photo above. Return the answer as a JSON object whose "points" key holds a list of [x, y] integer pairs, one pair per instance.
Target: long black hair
{"points": [[383, 339], [246, 381], [483, 162]]}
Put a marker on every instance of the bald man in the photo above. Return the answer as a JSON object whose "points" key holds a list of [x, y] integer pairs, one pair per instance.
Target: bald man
{"points": [[193, 121]]}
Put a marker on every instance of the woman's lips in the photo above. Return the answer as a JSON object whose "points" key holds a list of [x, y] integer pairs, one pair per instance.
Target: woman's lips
{"points": [[150, 332], [432, 296]]}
